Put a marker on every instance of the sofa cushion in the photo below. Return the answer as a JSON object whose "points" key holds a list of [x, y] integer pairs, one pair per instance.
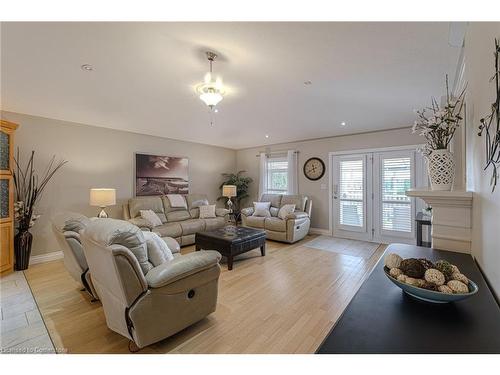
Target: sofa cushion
{"points": [[196, 200], [207, 212], [275, 199], [255, 221], [275, 224], [211, 224], [274, 211], [178, 216], [285, 210], [76, 223], [261, 209], [158, 250], [298, 200], [192, 226], [146, 203], [151, 217], [168, 230], [168, 208]]}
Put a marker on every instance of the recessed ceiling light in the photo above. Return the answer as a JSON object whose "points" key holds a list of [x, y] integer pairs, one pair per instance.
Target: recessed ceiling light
{"points": [[307, 83], [267, 135], [216, 110], [343, 123], [87, 67]]}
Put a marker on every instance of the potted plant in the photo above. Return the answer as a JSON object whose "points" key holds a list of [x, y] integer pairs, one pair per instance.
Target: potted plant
{"points": [[28, 190], [438, 125], [242, 183]]}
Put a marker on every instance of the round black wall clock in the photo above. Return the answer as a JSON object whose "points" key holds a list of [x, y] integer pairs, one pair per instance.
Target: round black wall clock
{"points": [[314, 169]]}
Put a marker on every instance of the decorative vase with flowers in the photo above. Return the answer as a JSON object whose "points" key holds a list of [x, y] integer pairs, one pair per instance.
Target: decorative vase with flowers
{"points": [[438, 124], [28, 189]]}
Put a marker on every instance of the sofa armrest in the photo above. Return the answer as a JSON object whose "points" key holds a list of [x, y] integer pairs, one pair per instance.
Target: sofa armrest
{"points": [[247, 211], [141, 223], [172, 244], [221, 212], [182, 267], [296, 215]]}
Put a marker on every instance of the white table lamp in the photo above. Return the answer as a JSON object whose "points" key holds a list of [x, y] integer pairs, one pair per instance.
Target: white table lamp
{"points": [[102, 198], [229, 191]]}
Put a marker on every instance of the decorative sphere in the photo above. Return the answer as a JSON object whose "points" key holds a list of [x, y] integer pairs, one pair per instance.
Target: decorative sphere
{"points": [[395, 272], [392, 261], [460, 277], [445, 289], [445, 267], [402, 278], [412, 267], [434, 276], [458, 286]]}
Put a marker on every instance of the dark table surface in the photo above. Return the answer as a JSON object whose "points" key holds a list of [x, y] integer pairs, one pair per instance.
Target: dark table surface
{"points": [[232, 234], [381, 318]]}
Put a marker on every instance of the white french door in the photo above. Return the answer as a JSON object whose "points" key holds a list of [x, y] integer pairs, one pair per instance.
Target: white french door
{"points": [[350, 196], [368, 196]]}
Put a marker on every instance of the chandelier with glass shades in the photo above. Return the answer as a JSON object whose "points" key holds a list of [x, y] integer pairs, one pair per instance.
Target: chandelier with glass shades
{"points": [[211, 91]]}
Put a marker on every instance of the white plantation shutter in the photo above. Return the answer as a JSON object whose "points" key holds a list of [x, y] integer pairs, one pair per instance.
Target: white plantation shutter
{"points": [[351, 192], [396, 178]]}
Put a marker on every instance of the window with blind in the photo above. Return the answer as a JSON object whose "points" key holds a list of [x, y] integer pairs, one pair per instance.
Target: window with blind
{"points": [[277, 175], [351, 192], [396, 210]]}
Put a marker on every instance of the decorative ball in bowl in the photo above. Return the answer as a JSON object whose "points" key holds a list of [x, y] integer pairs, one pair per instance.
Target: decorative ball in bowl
{"points": [[439, 282]]}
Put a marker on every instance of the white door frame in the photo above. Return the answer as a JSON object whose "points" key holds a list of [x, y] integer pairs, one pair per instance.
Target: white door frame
{"points": [[348, 152]]}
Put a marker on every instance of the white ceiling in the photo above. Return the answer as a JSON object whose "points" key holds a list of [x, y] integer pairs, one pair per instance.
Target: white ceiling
{"points": [[371, 75]]}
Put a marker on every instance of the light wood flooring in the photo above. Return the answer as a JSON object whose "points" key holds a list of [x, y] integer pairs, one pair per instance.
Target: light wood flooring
{"points": [[285, 302]]}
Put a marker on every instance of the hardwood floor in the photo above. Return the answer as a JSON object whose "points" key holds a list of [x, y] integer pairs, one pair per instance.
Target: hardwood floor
{"points": [[285, 302]]}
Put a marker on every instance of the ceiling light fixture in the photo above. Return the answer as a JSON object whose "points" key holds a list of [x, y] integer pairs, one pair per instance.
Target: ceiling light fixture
{"points": [[87, 67], [211, 91], [267, 135], [343, 123]]}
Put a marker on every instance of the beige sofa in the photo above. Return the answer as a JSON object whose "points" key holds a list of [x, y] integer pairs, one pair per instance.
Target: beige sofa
{"points": [[179, 223], [292, 229], [143, 300]]}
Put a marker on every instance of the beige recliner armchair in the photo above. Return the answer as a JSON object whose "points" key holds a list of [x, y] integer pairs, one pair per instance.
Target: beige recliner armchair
{"points": [[292, 229], [141, 301], [66, 228]]}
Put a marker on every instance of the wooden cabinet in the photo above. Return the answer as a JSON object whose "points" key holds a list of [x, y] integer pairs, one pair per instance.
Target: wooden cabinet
{"points": [[6, 196]]}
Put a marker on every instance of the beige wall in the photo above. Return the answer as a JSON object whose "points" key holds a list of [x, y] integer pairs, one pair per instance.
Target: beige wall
{"points": [[479, 47], [101, 157], [246, 160]]}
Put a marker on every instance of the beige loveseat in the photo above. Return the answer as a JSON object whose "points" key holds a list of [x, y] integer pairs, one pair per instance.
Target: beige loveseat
{"points": [[179, 223], [292, 229]]}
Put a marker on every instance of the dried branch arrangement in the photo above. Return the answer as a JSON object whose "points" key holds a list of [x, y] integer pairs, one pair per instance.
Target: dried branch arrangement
{"points": [[490, 125]]}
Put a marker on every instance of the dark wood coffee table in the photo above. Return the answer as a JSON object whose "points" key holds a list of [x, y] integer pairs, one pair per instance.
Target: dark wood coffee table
{"points": [[231, 241]]}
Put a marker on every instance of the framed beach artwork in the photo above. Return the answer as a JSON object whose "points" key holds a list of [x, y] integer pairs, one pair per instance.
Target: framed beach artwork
{"points": [[160, 175]]}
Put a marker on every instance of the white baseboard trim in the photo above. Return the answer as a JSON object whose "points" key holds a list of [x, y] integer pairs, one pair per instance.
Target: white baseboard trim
{"points": [[42, 258], [324, 232]]}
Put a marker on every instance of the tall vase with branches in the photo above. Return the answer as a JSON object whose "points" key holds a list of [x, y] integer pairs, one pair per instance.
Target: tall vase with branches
{"points": [[29, 187], [438, 124]]}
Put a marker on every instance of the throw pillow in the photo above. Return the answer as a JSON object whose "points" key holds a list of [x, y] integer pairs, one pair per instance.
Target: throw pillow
{"points": [[285, 210], [261, 209], [199, 203], [207, 212], [151, 217], [158, 251]]}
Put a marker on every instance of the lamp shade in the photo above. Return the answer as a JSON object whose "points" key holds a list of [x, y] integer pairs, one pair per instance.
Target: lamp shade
{"points": [[229, 191], [102, 197]]}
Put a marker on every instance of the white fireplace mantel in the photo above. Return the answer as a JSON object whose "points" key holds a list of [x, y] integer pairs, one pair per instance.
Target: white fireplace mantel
{"points": [[451, 218]]}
